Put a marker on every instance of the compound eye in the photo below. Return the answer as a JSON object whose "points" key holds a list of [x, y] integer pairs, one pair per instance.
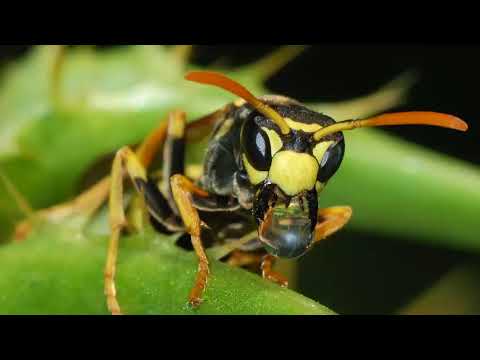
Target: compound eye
{"points": [[256, 146], [331, 161]]}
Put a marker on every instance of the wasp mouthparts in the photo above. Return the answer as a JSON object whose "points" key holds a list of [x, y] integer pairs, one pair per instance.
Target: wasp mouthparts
{"points": [[287, 230]]}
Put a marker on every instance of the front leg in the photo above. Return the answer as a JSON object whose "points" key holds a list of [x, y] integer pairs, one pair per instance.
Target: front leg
{"points": [[182, 190], [125, 158], [269, 274], [329, 221]]}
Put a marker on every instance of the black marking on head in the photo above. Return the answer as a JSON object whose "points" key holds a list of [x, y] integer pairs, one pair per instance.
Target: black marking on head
{"points": [[256, 146], [296, 140], [331, 160], [299, 141], [296, 112]]}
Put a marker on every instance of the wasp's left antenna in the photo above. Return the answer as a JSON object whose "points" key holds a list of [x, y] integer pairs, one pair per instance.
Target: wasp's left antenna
{"points": [[217, 79]]}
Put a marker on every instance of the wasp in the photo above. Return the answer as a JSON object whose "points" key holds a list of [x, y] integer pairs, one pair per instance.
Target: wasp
{"points": [[268, 158]]}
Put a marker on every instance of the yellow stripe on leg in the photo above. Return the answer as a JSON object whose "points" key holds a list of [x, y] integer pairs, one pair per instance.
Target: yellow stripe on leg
{"points": [[124, 158]]}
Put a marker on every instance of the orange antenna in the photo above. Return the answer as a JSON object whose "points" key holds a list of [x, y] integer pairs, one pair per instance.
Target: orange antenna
{"points": [[402, 118], [217, 79]]}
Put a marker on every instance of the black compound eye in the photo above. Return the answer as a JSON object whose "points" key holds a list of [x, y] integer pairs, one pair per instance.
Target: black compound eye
{"points": [[256, 146], [331, 161]]}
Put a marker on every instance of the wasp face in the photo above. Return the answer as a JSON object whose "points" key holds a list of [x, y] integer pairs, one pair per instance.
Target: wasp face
{"points": [[288, 171]]}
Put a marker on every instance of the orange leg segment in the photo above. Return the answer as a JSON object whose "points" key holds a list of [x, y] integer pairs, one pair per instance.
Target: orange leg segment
{"points": [[330, 220], [269, 274], [183, 189]]}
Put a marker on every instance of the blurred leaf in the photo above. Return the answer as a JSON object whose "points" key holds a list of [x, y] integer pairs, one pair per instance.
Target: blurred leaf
{"points": [[456, 293], [405, 190], [363, 273], [58, 270]]}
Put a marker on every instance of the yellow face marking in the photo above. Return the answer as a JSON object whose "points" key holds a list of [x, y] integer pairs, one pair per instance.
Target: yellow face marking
{"points": [[295, 125], [255, 176], [275, 141], [293, 172], [320, 149]]}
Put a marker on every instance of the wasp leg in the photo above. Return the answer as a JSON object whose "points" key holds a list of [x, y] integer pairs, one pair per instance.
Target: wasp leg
{"points": [[330, 220], [90, 200], [159, 208], [183, 190], [174, 154], [156, 204], [269, 274], [125, 158], [162, 209]]}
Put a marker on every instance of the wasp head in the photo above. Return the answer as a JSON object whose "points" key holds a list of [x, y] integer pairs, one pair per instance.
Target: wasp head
{"points": [[288, 170]]}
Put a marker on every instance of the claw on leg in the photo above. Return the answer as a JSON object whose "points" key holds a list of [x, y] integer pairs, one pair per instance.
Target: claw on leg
{"points": [[269, 274]]}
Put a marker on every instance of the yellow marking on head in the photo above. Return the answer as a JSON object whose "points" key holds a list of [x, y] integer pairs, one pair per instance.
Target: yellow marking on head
{"points": [[293, 172], [275, 141], [255, 176], [320, 149], [224, 128], [295, 125]]}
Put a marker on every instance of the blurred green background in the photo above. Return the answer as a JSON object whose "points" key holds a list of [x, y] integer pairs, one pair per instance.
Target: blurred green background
{"points": [[364, 272]]}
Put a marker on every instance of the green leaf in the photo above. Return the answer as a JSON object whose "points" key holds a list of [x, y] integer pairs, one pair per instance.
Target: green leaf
{"points": [[401, 189], [58, 270], [456, 293]]}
